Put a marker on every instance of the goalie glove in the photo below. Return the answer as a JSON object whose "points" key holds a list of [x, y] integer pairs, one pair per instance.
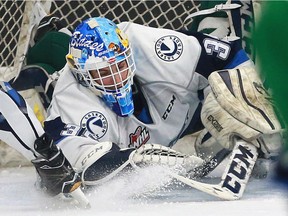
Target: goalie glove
{"points": [[55, 172], [103, 161], [240, 106], [155, 154]]}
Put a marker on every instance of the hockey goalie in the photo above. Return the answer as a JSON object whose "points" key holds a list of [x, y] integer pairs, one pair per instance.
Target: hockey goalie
{"points": [[128, 93]]}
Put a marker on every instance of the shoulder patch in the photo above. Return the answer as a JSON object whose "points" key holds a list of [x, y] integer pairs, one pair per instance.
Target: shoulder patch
{"points": [[96, 123], [169, 48]]}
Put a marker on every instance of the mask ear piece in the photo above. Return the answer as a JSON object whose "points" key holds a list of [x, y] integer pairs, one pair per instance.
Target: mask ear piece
{"points": [[70, 61]]}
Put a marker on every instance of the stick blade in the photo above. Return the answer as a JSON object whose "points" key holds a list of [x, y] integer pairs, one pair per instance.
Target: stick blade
{"points": [[235, 177]]}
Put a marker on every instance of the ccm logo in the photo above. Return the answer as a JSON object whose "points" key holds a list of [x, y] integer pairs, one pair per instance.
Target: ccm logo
{"points": [[90, 154], [215, 123], [238, 170], [169, 108]]}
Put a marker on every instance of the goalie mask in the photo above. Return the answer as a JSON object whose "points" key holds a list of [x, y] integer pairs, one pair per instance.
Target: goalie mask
{"points": [[101, 59]]}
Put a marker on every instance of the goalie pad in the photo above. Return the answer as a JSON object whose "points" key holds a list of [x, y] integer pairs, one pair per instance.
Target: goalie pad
{"points": [[239, 105], [19, 126]]}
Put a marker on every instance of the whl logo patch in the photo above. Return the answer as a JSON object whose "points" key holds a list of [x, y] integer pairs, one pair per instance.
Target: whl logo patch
{"points": [[169, 48], [139, 137]]}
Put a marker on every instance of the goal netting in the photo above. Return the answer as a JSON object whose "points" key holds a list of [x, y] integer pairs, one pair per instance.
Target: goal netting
{"points": [[18, 18]]}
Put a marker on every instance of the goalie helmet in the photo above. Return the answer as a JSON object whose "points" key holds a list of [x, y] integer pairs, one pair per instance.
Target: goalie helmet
{"points": [[100, 58]]}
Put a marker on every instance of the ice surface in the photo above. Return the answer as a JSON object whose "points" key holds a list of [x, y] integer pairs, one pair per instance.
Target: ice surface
{"points": [[149, 192]]}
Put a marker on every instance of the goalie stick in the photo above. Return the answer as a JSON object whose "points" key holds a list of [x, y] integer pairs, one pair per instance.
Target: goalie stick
{"points": [[235, 177], [211, 164], [233, 181]]}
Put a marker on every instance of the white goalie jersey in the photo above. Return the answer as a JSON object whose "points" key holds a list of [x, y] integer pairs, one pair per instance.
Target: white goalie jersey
{"points": [[171, 76]]}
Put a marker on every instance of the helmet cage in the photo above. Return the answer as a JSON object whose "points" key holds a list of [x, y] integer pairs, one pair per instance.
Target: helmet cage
{"points": [[119, 70]]}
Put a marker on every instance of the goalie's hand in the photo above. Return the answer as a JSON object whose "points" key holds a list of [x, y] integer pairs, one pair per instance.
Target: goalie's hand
{"points": [[55, 172]]}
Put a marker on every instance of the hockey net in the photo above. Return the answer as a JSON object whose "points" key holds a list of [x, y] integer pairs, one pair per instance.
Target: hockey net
{"points": [[19, 17]]}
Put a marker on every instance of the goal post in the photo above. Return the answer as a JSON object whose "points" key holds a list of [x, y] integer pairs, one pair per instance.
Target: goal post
{"points": [[17, 21]]}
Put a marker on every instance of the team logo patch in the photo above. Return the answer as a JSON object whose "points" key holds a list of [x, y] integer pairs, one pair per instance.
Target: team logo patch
{"points": [[96, 123], [169, 48], [139, 137]]}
